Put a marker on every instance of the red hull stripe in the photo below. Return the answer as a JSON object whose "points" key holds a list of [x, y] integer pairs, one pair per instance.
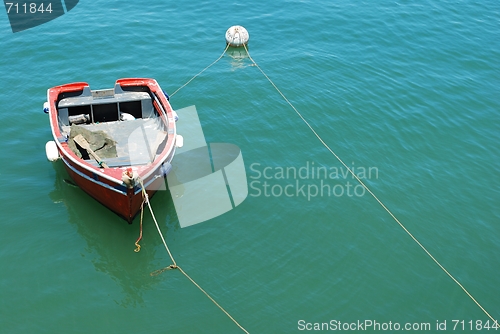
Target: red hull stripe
{"points": [[119, 188]]}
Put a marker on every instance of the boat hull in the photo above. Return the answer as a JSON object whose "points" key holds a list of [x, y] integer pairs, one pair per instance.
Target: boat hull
{"points": [[125, 202], [106, 185]]}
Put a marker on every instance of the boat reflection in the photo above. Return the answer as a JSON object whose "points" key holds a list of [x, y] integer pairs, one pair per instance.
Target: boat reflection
{"points": [[110, 240]]}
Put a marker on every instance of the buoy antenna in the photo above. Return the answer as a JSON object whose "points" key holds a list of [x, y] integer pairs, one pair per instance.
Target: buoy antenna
{"points": [[237, 36]]}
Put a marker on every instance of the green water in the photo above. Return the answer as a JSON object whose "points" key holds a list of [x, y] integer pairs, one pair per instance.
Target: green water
{"points": [[408, 89]]}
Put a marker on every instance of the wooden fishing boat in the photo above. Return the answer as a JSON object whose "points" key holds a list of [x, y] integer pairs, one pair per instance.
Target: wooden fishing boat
{"points": [[113, 142]]}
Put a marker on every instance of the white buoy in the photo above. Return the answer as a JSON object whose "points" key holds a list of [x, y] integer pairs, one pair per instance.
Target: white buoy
{"points": [[237, 36], [51, 151]]}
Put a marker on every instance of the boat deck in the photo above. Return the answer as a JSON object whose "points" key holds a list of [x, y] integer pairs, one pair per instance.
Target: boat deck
{"points": [[138, 142]]}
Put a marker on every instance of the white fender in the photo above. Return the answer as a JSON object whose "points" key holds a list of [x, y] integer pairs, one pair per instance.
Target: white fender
{"points": [[179, 141], [51, 151]]}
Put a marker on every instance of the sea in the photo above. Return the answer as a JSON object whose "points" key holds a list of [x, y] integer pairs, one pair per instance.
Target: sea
{"points": [[405, 93]]}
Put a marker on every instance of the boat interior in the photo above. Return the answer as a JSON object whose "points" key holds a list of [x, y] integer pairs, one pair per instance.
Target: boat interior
{"points": [[128, 119]]}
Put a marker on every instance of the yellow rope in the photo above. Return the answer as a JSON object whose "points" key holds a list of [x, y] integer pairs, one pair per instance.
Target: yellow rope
{"points": [[146, 199], [206, 68], [371, 193], [206, 294], [175, 266], [138, 247]]}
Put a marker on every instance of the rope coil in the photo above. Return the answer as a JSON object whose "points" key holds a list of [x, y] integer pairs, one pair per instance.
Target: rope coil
{"points": [[137, 246]]}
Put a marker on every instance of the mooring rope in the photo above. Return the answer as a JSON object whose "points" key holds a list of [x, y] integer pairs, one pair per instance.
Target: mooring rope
{"points": [[370, 192], [174, 265], [217, 304], [146, 200], [206, 68], [137, 246]]}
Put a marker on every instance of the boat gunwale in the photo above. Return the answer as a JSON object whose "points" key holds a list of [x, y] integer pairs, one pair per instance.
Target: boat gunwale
{"points": [[115, 174]]}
